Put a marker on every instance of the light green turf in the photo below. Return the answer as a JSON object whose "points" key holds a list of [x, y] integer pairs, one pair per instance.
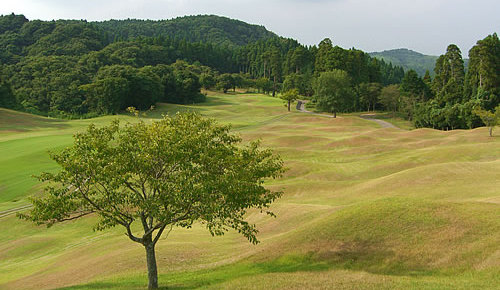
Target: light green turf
{"points": [[364, 207]]}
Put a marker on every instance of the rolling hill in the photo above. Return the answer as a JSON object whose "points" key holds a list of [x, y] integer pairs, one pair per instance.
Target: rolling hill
{"points": [[364, 207], [408, 59]]}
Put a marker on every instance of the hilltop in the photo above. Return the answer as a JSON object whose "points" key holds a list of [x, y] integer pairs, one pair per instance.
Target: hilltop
{"points": [[201, 28], [408, 59]]}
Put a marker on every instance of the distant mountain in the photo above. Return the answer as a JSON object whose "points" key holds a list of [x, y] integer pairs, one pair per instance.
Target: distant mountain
{"points": [[202, 28], [408, 59]]}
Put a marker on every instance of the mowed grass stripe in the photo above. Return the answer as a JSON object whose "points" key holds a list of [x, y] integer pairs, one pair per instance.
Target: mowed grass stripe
{"points": [[364, 207]]}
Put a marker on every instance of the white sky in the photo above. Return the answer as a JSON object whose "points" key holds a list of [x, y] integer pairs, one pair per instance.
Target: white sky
{"points": [[427, 26]]}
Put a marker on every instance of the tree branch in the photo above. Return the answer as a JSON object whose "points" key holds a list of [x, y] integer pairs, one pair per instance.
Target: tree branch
{"points": [[158, 235], [76, 217], [131, 236], [133, 189]]}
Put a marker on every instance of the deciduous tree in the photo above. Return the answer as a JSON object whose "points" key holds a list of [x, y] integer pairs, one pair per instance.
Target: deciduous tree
{"points": [[490, 119], [290, 96], [390, 97], [333, 92], [170, 173]]}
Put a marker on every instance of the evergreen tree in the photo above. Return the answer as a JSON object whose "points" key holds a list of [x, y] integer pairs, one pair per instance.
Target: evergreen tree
{"points": [[412, 85], [483, 77], [450, 75]]}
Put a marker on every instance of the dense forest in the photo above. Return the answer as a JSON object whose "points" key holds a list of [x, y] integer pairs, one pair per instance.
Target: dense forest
{"points": [[72, 68], [450, 99]]}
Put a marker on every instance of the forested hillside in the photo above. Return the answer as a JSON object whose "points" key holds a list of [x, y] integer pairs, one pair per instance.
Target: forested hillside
{"points": [[408, 59], [203, 28], [70, 68], [73, 68]]}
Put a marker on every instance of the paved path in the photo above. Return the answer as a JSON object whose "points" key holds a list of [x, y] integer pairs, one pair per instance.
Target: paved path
{"points": [[382, 123], [302, 108]]}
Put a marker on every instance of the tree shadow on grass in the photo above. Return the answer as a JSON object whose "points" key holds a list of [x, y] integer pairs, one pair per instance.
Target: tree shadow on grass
{"points": [[359, 256], [209, 277]]}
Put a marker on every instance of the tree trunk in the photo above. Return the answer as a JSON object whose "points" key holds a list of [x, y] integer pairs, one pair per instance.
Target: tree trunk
{"points": [[274, 86], [491, 131], [152, 269], [288, 106], [334, 114]]}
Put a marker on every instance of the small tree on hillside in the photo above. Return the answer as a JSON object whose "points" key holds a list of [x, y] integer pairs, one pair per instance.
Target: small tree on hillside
{"points": [[390, 98], [333, 91], [264, 85], [207, 81], [290, 96], [490, 119], [369, 94], [225, 82], [169, 173]]}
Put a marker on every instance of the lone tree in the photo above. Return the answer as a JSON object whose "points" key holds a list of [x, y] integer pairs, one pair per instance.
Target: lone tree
{"points": [[169, 173], [290, 96], [333, 91], [490, 119]]}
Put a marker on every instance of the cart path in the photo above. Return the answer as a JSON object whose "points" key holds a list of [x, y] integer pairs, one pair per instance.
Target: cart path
{"points": [[382, 123], [301, 108]]}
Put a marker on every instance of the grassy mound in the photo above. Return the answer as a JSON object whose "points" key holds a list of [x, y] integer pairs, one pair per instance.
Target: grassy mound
{"points": [[364, 207]]}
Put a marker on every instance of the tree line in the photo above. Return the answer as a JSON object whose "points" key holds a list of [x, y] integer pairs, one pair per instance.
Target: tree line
{"points": [[71, 68], [452, 98]]}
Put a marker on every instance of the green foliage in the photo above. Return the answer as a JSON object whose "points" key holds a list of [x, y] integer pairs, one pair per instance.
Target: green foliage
{"points": [[264, 85], [369, 94], [483, 78], [301, 82], [456, 94], [207, 81], [413, 85], [290, 96], [360, 67], [333, 92], [390, 97], [7, 98], [490, 119], [105, 96], [225, 82], [169, 173], [203, 28], [450, 75], [55, 68]]}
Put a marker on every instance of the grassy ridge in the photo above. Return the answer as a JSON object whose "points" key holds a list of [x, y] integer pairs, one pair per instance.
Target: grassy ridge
{"points": [[364, 208]]}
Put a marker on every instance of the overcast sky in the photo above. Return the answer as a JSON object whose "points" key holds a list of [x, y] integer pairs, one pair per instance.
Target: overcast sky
{"points": [[427, 26]]}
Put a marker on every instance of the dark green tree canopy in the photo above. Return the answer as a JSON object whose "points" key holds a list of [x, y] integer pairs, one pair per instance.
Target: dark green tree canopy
{"points": [[450, 75], [483, 77]]}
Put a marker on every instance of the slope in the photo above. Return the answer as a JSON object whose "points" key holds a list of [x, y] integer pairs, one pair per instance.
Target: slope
{"points": [[364, 207]]}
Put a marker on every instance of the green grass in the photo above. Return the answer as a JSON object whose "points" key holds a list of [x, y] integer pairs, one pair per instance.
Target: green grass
{"points": [[364, 207], [395, 119]]}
